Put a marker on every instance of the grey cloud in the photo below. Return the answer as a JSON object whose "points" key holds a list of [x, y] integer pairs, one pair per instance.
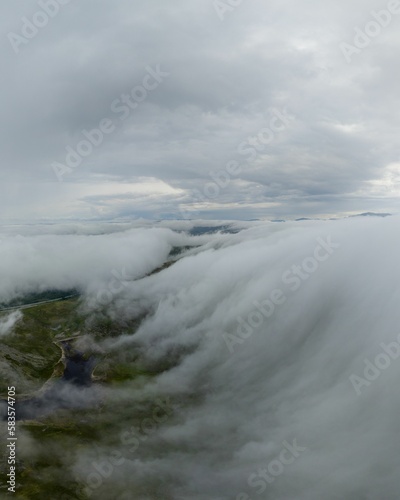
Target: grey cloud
{"points": [[225, 76]]}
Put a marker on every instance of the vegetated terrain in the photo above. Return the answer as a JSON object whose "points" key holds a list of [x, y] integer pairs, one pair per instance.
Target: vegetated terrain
{"points": [[29, 358], [38, 297]]}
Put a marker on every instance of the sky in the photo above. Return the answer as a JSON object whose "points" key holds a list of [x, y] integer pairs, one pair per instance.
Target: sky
{"points": [[205, 109]]}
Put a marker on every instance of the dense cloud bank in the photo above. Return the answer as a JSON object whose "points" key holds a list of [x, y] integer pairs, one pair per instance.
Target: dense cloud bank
{"points": [[37, 262], [280, 347]]}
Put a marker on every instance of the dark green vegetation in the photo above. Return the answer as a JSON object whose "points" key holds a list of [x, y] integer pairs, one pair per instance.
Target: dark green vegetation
{"points": [[29, 355], [33, 298], [50, 446]]}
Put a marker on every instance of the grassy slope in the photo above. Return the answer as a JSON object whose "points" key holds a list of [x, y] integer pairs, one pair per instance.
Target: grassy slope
{"points": [[27, 360]]}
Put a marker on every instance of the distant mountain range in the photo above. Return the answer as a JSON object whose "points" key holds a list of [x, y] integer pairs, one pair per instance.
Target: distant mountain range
{"points": [[371, 214]]}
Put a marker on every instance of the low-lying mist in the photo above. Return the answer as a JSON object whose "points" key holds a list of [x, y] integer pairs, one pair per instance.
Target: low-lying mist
{"points": [[276, 349]]}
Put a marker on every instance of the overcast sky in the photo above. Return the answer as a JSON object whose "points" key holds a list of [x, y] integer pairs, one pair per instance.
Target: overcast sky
{"points": [[274, 100]]}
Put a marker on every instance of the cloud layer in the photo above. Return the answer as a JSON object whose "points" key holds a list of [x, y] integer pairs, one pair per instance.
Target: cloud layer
{"points": [[277, 350], [315, 365]]}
